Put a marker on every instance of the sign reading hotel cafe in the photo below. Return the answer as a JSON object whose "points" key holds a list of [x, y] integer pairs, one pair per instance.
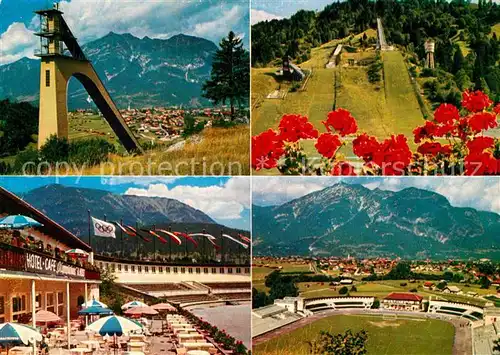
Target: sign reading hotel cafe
{"points": [[47, 265]]}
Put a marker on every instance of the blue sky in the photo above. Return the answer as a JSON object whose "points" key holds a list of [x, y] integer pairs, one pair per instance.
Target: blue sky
{"points": [[225, 199], [92, 19], [482, 193], [268, 9]]}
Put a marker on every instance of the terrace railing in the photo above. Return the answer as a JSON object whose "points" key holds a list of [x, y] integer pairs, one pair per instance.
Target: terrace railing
{"points": [[21, 259]]}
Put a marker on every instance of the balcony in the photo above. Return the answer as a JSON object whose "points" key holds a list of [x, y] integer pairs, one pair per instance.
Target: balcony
{"points": [[33, 260]]}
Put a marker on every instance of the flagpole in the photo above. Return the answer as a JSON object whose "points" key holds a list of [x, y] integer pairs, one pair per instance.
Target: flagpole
{"points": [[90, 240], [203, 249], [121, 236], [154, 244], [222, 246], [186, 232], [137, 234], [105, 219], [170, 244]]}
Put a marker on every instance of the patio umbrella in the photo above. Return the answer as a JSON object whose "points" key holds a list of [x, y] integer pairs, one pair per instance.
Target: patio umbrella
{"points": [[43, 316], [77, 252], [95, 310], [164, 307], [148, 311], [93, 303], [114, 326], [18, 222], [15, 333], [134, 304]]}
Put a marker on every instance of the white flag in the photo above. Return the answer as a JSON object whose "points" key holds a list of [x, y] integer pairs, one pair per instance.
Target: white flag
{"points": [[103, 229]]}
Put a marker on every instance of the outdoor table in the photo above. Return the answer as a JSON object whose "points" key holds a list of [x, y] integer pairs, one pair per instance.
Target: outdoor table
{"points": [[92, 344], [184, 330], [80, 351], [136, 337], [197, 352], [197, 346], [22, 350], [136, 345], [190, 336]]}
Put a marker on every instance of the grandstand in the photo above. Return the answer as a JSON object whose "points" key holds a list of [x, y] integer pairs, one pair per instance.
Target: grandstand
{"points": [[483, 337], [162, 287]]}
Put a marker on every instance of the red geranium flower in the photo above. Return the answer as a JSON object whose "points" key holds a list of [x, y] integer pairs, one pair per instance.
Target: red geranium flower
{"points": [[295, 127], [328, 144], [444, 129], [426, 131], [343, 168], [480, 144], [497, 109], [342, 121], [446, 113], [482, 121], [462, 128], [393, 156], [476, 101], [266, 150], [481, 164], [433, 148], [365, 146]]}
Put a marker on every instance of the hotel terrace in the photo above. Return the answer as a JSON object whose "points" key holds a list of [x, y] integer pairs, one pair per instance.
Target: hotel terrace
{"points": [[35, 271]]}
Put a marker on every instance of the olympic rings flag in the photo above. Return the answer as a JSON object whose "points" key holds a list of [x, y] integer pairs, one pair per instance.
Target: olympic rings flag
{"points": [[103, 229]]}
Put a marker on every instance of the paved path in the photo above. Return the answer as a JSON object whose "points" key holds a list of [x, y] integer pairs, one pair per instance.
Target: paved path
{"points": [[462, 343]]}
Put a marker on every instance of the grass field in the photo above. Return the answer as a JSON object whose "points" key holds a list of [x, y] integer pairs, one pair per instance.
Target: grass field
{"points": [[390, 107], [388, 337], [221, 151]]}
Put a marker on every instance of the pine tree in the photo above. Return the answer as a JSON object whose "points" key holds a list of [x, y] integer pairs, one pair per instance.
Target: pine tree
{"points": [[230, 77], [458, 60]]}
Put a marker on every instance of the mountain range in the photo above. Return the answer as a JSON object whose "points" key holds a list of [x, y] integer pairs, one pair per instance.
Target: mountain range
{"points": [[69, 207], [140, 72], [351, 219]]}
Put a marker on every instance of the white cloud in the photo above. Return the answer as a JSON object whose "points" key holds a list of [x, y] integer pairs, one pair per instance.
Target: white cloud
{"points": [[142, 181], [278, 190], [261, 15], [220, 26], [17, 42], [222, 202], [93, 19]]}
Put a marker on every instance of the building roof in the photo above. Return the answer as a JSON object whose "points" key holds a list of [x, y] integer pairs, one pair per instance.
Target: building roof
{"points": [[400, 296], [12, 204], [428, 283]]}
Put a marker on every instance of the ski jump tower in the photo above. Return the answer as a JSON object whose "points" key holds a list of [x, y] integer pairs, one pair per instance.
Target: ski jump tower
{"points": [[61, 58]]}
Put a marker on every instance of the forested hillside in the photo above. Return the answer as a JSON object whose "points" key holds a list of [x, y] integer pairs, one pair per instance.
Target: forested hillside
{"points": [[466, 53]]}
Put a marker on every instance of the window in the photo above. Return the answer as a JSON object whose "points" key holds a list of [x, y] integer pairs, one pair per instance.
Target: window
{"points": [[167, 270], [221, 270], [119, 267], [2, 309], [247, 270], [205, 270], [214, 270], [161, 269], [238, 270], [38, 301], [176, 270], [190, 270], [113, 267], [47, 78], [18, 306], [49, 302], [198, 270], [139, 268], [154, 269], [132, 268], [183, 270], [126, 268], [229, 270], [146, 269], [60, 304]]}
